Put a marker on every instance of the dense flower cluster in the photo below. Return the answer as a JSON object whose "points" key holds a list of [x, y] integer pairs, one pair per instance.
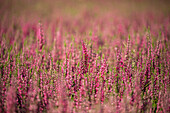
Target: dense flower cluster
{"points": [[88, 64]]}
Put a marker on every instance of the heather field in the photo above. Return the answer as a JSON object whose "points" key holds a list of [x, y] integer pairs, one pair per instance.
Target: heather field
{"points": [[84, 56]]}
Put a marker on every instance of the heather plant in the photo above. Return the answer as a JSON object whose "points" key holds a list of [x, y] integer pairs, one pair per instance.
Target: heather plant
{"points": [[88, 63]]}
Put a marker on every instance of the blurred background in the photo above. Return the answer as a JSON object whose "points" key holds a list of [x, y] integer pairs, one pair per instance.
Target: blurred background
{"points": [[50, 9]]}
